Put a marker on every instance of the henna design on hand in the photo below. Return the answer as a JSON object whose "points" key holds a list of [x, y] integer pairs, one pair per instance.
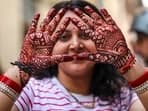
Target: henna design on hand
{"points": [[38, 44], [108, 38]]}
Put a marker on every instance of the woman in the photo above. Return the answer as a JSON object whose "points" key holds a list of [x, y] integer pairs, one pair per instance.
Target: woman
{"points": [[64, 74]]}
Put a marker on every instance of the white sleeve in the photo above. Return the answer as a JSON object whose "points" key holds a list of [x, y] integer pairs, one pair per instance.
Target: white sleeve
{"points": [[134, 98]]}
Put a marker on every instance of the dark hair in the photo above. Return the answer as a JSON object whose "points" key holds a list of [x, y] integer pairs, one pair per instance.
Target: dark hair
{"points": [[106, 81], [74, 4], [141, 37]]}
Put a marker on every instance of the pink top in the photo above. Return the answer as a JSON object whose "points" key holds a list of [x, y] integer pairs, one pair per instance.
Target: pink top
{"points": [[50, 95]]}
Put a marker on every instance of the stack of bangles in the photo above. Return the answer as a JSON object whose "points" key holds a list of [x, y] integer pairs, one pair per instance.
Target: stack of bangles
{"points": [[9, 87], [140, 85]]}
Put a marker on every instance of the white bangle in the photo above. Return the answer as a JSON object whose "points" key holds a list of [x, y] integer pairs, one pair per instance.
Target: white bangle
{"points": [[8, 91], [141, 88]]}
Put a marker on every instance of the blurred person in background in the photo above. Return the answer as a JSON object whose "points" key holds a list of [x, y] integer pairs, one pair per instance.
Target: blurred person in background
{"points": [[140, 27], [140, 47]]}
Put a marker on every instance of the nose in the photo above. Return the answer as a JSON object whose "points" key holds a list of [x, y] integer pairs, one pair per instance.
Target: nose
{"points": [[76, 45]]}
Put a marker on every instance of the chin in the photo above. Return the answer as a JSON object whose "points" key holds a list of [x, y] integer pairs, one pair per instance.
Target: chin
{"points": [[78, 68], [77, 71]]}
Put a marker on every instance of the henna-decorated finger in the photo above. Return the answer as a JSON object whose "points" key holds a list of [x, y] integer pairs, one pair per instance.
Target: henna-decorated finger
{"points": [[55, 59], [89, 21], [96, 16], [60, 30], [33, 26], [41, 62], [53, 24], [26, 51], [108, 19], [51, 13], [94, 35], [82, 26], [104, 57], [99, 57]]}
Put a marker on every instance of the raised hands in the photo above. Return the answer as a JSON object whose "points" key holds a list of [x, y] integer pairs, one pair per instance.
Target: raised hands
{"points": [[100, 27], [38, 44], [108, 38]]}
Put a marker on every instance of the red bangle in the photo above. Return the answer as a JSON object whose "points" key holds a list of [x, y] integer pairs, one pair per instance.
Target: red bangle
{"points": [[10, 83], [140, 80]]}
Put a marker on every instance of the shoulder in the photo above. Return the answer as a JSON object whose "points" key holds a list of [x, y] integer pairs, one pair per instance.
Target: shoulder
{"points": [[127, 93], [33, 81], [39, 85], [44, 94], [131, 99], [123, 100], [127, 97]]}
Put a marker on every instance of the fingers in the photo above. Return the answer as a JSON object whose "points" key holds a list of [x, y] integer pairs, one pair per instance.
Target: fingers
{"points": [[125, 62], [82, 26], [51, 13], [60, 30], [93, 14], [33, 26], [85, 18], [106, 16], [99, 57], [55, 59], [53, 24], [100, 16], [42, 62]]}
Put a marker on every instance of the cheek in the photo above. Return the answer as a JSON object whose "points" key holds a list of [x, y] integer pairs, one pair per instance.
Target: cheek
{"points": [[59, 48], [89, 44], [62, 48]]}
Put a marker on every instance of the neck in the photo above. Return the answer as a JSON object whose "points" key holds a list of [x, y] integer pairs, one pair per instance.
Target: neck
{"points": [[80, 85]]}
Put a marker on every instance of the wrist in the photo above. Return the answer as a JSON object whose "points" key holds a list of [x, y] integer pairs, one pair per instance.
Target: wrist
{"points": [[140, 85], [13, 73], [135, 72], [10, 83]]}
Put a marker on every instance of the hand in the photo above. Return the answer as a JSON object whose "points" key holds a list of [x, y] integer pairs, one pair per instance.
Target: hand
{"points": [[108, 38], [38, 44]]}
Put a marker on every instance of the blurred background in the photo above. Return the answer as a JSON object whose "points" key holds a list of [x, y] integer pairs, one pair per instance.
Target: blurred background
{"points": [[16, 15]]}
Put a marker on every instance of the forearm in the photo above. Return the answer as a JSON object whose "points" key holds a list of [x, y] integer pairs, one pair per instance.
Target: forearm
{"points": [[7, 102], [136, 72], [144, 99]]}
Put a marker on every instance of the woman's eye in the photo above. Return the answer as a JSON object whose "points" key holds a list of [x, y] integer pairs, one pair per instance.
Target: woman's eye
{"points": [[64, 38], [84, 36]]}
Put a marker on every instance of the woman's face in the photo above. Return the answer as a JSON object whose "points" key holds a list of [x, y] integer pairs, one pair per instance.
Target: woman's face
{"points": [[73, 41]]}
